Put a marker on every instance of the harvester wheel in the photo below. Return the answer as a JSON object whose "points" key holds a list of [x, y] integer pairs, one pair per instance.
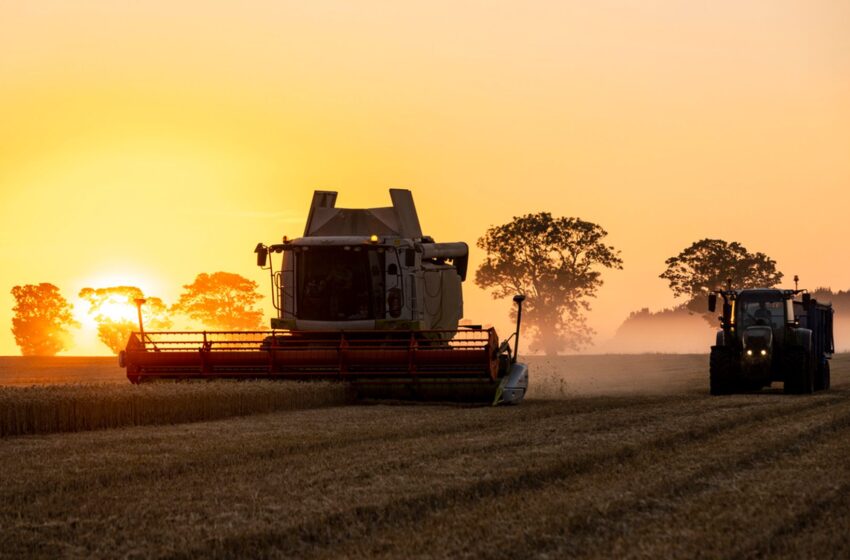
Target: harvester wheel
{"points": [[799, 373], [822, 377], [721, 371]]}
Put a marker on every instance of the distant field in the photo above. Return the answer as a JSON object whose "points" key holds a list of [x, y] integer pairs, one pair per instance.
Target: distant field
{"points": [[17, 370], [611, 456]]}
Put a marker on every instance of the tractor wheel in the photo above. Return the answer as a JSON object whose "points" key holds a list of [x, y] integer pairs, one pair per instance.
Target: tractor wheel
{"points": [[822, 377], [827, 376], [721, 371], [799, 372], [811, 372]]}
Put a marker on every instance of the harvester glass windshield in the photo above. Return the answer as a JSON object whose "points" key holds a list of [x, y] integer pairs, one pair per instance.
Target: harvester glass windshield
{"points": [[339, 283]]}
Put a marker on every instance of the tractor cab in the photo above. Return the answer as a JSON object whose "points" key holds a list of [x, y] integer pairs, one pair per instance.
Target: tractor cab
{"points": [[756, 308], [761, 317]]}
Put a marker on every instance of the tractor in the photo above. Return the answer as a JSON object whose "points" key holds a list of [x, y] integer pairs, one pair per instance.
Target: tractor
{"points": [[769, 335]]}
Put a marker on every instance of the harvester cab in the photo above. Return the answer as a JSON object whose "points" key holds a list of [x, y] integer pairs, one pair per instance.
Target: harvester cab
{"points": [[771, 335], [363, 296], [366, 269]]}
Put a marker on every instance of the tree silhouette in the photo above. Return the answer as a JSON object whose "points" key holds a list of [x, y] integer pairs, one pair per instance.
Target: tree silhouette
{"points": [[707, 265], [554, 262], [221, 300], [41, 320], [114, 310]]}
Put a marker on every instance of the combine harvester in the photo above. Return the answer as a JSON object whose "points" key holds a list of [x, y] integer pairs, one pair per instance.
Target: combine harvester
{"points": [[363, 298]]}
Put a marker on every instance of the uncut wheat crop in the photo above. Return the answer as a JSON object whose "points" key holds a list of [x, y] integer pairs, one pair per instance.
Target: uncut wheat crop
{"points": [[73, 408]]}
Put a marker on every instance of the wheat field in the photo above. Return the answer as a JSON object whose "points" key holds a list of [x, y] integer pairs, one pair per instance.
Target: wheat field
{"points": [[610, 456], [75, 408]]}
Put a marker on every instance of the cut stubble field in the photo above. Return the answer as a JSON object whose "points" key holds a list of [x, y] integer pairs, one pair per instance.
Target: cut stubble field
{"points": [[609, 456]]}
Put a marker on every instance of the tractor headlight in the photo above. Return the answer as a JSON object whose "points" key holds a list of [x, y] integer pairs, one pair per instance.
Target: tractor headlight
{"points": [[764, 352], [749, 352]]}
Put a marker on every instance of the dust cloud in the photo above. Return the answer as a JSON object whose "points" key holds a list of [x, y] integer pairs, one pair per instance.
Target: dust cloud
{"points": [[672, 331], [564, 377]]}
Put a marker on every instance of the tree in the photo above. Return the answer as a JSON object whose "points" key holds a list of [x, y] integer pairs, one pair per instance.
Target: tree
{"points": [[41, 320], [114, 310], [554, 262], [707, 265], [221, 300]]}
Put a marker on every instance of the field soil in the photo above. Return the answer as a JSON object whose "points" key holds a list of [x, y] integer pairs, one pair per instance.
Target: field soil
{"points": [[610, 456]]}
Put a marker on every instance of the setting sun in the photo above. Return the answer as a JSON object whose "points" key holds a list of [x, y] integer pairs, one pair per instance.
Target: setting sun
{"points": [[118, 310]]}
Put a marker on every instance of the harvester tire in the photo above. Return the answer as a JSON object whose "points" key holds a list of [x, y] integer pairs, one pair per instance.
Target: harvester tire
{"points": [[800, 374], [721, 370], [822, 377]]}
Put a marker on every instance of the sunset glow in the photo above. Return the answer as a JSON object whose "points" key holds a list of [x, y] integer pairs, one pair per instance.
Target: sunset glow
{"points": [[146, 143], [118, 311]]}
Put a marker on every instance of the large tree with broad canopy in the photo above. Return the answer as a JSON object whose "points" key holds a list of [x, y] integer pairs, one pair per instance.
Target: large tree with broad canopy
{"points": [[556, 263]]}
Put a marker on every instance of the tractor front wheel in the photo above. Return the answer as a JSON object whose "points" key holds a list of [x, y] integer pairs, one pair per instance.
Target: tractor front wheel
{"points": [[722, 369]]}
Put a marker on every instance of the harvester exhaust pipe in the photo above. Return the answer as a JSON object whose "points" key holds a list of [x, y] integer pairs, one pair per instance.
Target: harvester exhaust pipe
{"points": [[262, 254], [518, 299]]}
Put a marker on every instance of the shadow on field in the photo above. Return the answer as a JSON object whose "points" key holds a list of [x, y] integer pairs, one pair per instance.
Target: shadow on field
{"points": [[616, 374]]}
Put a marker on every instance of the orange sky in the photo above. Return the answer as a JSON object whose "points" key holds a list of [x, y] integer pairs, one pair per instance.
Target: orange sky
{"points": [[143, 143]]}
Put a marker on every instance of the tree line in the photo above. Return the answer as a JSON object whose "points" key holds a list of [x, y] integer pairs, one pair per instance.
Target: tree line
{"points": [[556, 262], [43, 319]]}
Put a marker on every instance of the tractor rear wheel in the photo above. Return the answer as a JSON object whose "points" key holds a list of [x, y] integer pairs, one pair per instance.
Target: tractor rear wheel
{"points": [[822, 377], [799, 372], [721, 370]]}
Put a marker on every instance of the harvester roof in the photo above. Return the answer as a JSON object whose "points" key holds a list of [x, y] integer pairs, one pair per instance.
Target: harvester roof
{"points": [[400, 219]]}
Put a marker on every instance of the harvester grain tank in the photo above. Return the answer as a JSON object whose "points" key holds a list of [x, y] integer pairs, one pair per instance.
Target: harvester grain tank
{"points": [[769, 335], [362, 297]]}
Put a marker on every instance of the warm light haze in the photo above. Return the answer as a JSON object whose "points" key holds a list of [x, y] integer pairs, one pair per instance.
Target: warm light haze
{"points": [[144, 143]]}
